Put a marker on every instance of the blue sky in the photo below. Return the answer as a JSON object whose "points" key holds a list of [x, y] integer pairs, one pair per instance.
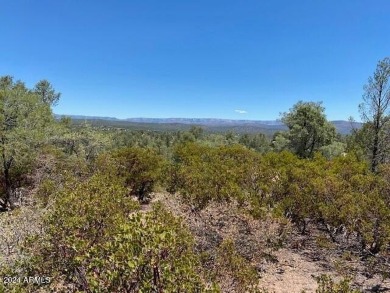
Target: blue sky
{"points": [[201, 58]]}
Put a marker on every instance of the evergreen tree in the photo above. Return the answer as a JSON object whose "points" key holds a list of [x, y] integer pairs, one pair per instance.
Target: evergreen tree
{"points": [[308, 128], [23, 119], [375, 112]]}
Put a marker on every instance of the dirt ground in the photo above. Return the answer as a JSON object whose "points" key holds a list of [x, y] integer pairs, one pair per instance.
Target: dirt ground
{"points": [[294, 272], [292, 268]]}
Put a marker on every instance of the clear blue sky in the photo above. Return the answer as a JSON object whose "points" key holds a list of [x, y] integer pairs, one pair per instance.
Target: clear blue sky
{"points": [[144, 58]]}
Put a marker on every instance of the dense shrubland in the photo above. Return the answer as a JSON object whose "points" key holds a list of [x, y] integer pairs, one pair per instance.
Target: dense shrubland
{"points": [[342, 193], [91, 186], [96, 239]]}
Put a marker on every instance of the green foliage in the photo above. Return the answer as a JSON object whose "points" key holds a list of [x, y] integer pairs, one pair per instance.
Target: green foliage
{"points": [[233, 266], [281, 141], [139, 168], [203, 173], [23, 121], [196, 131], [333, 150], [308, 128], [47, 93], [46, 189], [83, 143], [85, 216], [302, 187], [54, 165], [98, 239], [257, 142], [338, 192], [327, 285], [375, 111], [358, 141], [384, 173], [151, 253]]}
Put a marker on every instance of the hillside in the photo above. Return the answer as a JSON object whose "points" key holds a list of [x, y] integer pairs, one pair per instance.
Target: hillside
{"points": [[209, 124]]}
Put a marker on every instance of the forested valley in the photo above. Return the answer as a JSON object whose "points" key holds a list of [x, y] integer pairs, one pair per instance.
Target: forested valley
{"points": [[106, 209]]}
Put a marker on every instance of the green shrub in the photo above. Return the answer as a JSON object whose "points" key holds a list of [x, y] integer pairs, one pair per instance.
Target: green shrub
{"points": [[203, 174], [140, 169], [46, 189], [85, 216], [97, 240], [327, 285], [230, 264], [151, 252]]}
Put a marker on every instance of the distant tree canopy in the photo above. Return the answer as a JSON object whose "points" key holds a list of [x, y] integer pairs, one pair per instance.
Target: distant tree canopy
{"points": [[23, 118], [308, 128]]}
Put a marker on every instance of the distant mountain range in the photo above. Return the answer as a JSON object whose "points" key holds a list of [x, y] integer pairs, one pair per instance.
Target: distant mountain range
{"points": [[211, 124]]}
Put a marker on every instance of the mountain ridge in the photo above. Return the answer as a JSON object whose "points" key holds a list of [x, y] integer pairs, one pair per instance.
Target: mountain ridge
{"points": [[213, 124]]}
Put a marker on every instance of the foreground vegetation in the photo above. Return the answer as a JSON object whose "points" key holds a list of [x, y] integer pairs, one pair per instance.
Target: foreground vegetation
{"points": [[87, 192]]}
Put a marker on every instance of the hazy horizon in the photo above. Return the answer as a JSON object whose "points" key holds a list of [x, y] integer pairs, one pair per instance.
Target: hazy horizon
{"points": [[203, 118]]}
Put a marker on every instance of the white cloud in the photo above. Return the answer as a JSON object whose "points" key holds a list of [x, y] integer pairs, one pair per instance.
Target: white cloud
{"points": [[241, 111]]}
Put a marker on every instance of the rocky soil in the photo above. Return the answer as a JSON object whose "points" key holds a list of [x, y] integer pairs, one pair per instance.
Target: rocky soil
{"points": [[286, 261]]}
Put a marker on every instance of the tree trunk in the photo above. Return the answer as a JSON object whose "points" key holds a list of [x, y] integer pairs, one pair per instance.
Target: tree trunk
{"points": [[7, 182], [375, 147], [374, 160]]}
